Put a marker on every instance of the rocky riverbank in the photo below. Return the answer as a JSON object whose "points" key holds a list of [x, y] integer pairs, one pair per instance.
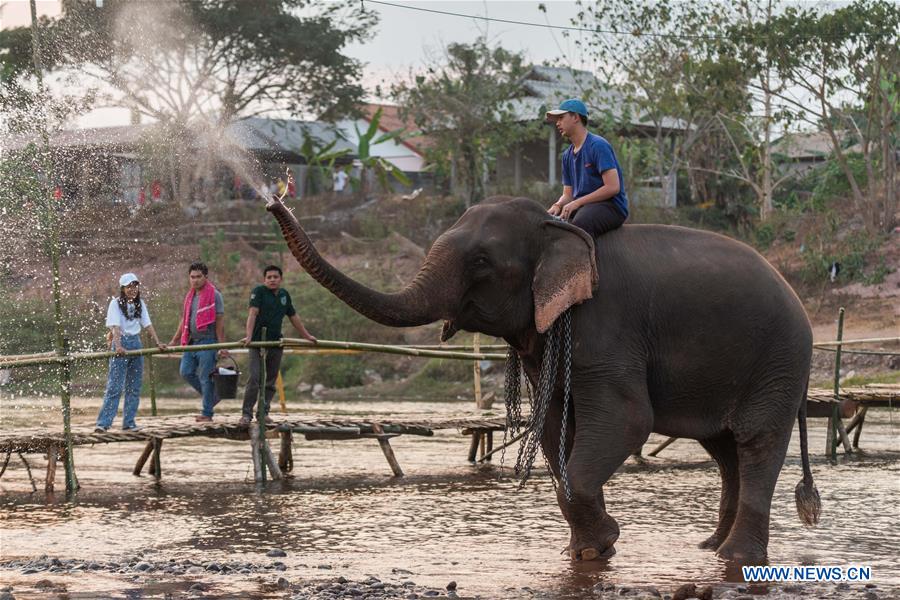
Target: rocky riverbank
{"points": [[192, 579]]}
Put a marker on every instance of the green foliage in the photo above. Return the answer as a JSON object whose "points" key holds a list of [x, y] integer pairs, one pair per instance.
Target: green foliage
{"points": [[677, 77], [229, 54], [838, 65], [446, 370], [327, 317], [831, 182], [764, 235], [332, 371], [212, 252], [855, 253], [320, 159], [370, 226], [464, 105], [384, 169]]}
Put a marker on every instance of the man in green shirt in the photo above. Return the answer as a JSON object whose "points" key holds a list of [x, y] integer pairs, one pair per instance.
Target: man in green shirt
{"points": [[269, 304]]}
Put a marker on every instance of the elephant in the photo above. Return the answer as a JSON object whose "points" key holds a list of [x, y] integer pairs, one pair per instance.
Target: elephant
{"points": [[681, 332]]}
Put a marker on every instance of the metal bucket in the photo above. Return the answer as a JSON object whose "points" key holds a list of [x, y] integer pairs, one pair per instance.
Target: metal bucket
{"points": [[227, 384]]}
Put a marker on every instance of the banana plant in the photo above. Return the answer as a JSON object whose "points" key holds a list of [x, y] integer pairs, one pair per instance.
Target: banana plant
{"points": [[319, 159], [384, 170]]}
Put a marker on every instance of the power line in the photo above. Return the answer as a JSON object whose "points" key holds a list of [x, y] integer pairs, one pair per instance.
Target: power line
{"points": [[565, 27]]}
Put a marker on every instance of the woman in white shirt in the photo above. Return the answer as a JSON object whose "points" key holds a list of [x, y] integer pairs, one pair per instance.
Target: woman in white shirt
{"points": [[125, 317]]}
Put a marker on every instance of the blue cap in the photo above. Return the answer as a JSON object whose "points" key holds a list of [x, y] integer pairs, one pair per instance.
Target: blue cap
{"points": [[571, 105]]}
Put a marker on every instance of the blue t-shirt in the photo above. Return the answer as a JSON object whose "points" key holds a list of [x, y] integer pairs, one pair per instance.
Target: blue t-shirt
{"points": [[582, 170]]}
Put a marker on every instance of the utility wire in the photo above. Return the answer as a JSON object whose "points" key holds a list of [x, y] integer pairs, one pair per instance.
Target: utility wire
{"points": [[570, 27]]}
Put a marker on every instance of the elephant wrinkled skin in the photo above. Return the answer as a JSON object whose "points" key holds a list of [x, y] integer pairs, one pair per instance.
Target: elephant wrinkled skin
{"points": [[675, 331]]}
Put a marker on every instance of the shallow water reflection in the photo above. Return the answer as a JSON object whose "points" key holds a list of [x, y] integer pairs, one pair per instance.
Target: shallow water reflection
{"points": [[444, 521]]}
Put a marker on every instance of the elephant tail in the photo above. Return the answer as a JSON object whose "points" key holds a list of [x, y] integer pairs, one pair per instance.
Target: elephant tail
{"points": [[809, 505]]}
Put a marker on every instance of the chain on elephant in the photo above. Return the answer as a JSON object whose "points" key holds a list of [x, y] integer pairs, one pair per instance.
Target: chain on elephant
{"points": [[558, 343]]}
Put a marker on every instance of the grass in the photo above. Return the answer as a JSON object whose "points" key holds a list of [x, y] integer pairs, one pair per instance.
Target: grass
{"points": [[889, 377]]}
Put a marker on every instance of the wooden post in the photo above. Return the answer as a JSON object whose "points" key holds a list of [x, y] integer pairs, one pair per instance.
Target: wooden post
{"points": [[490, 445], [28, 470], [473, 445], [476, 370], [151, 374], [254, 454], [662, 446], [155, 464], [279, 388], [387, 450], [504, 446], [261, 413], [285, 455], [142, 459], [835, 425], [65, 396], [270, 460], [857, 423], [52, 453]]}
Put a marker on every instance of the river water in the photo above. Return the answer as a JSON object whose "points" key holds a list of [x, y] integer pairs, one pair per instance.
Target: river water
{"points": [[343, 514]]}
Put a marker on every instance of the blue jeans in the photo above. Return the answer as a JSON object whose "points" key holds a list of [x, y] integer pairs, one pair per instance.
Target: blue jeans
{"points": [[204, 364], [125, 372]]}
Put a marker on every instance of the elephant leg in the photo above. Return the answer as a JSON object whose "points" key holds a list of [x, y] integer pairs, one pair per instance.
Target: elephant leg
{"points": [[759, 463], [723, 450], [612, 421]]}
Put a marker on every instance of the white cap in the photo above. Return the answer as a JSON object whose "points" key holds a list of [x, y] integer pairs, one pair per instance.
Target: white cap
{"points": [[127, 278]]}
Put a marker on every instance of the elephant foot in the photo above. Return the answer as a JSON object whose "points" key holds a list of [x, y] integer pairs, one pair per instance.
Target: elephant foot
{"points": [[710, 543], [596, 542], [592, 553], [745, 554]]}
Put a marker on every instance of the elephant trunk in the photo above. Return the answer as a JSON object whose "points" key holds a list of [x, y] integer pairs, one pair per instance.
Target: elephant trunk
{"points": [[409, 307]]}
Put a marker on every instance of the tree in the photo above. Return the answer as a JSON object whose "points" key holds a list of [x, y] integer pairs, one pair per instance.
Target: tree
{"points": [[659, 56], [842, 69], [196, 65], [464, 103]]}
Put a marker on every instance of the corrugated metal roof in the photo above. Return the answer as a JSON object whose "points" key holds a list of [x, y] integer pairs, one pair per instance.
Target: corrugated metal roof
{"points": [[816, 145], [545, 87], [254, 134]]}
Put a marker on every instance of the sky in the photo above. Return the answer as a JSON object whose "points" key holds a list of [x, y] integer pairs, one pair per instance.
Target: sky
{"points": [[406, 38]]}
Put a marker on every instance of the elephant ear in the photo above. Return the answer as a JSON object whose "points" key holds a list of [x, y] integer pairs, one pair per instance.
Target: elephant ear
{"points": [[566, 273]]}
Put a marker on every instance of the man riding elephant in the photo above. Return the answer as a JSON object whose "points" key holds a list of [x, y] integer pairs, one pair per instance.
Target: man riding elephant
{"points": [[684, 333]]}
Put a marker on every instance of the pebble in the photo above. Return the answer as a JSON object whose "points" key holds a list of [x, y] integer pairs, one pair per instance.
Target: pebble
{"points": [[276, 552], [870, 596], [143, 566], [451, 586], [7, 596], [283, 583]]}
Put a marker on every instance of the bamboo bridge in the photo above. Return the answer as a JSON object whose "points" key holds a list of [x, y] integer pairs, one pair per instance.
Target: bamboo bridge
{"points": [[155, 430], [58, 444]]}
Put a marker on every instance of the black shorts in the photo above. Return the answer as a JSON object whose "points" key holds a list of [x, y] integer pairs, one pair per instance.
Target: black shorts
{"points": [[598, 218]]}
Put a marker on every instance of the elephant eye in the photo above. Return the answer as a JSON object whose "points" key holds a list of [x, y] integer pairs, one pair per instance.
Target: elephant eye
{"points": [[480, 261]]}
